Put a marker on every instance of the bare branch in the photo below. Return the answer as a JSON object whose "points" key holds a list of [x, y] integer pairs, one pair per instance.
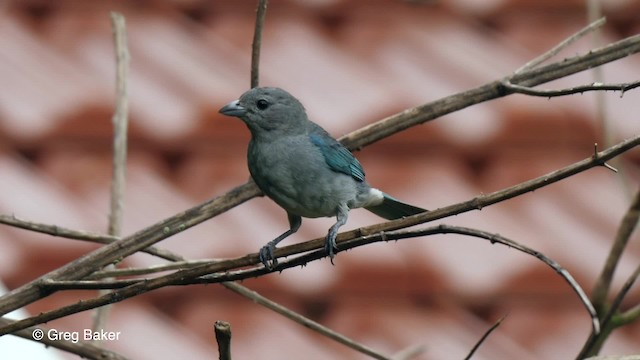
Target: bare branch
{"points": [[612, 319], [562, 45], [261, 13], [55, 230], [484, 337], [624, 318], [532, 77], [120, 123], [95, 260], [252, 259], [625, 230], [409, 353], [224, 266], [148, 270], [222, 330], [289, 314], [574, 90], [83, 349]]}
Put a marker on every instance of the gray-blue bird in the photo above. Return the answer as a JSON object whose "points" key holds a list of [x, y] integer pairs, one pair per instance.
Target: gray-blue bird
{"points": [[303, 169]]}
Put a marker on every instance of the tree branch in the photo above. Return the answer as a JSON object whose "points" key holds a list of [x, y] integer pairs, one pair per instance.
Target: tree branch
{"points": [[97, 259], [625, 230], [574, 90], [224, 266], [597, 24], [120, 123], [89, 263], [532, 77], [222, 330], [306, 322], [484, 337], [83, 349], [261, 13]]}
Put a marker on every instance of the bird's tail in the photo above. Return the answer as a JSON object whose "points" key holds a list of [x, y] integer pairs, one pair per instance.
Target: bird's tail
{"points": [[392, 208]]}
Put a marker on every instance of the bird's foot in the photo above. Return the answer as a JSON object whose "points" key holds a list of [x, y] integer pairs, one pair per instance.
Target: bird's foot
{"points": [[331, 247], [266, 256]]}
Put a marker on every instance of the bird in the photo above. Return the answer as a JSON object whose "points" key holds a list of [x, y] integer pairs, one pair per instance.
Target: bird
{"points": [[303, 169]]}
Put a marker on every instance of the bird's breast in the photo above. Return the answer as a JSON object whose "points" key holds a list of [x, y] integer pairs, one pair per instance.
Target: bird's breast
{"points": [[294, 174]]}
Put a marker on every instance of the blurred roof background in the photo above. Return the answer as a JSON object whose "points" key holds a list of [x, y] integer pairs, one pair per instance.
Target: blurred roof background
{"points": [[350, 63]]}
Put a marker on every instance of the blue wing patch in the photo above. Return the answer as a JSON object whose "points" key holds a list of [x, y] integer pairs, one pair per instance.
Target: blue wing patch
{"points": [[338, 157]]}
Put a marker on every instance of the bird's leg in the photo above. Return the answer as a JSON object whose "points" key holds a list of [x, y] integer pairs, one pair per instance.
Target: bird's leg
{"points": [[266, 252], [330, 245]]}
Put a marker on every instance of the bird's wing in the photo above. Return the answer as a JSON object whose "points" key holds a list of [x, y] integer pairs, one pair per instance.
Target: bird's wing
{"points": [[337, 156]]}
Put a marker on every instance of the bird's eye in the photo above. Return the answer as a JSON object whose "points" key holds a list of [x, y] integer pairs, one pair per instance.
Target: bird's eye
{"points": [[262, 104]]}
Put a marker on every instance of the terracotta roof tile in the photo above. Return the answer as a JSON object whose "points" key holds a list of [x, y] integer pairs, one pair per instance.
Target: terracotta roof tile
{"points": [[188, 59]]}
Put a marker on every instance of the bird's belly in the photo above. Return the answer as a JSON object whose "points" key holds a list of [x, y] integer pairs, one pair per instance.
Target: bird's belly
{"points": [[301, 189]]}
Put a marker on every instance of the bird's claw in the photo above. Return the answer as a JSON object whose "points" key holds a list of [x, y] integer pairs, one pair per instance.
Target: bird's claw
{"points": [[331, 248], [266, 256]]}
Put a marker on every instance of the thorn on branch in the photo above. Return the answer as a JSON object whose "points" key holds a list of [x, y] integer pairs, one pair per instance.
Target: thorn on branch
{"points": [[596, 157]]}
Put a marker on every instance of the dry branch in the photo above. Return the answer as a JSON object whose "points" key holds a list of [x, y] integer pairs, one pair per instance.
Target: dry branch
{"points": [[222, 330], [261, 13], [529, 78], [95, 260], [364, 235], [120, 124], [84, 349]]}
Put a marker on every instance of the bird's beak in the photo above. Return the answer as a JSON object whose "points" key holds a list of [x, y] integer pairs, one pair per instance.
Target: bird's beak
{"points": [[233, 109]]}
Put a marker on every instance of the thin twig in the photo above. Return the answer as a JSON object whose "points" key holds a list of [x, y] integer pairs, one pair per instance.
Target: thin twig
{"points": [[612, 318], [316, 244], [179, 263], [625, 230], [83, 349], [562, 45], [55, 230], [261, 13], [594, 11], [484, 337], [569, 91], [95, 260], [430, 111], [59, 231], [199, 274], [222, 330], [148, 270], [306, 322], [615, 304], [86, 264], [226, 276], [496, 238], [409, 353], [252, 259], [120, 123]]}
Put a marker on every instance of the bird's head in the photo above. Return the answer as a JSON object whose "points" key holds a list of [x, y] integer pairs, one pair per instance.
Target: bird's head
{"points": [[268, 110]]}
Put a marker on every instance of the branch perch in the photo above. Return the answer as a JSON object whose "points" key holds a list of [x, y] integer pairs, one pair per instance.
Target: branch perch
{"points": [[252, 259], [97, 259]]}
